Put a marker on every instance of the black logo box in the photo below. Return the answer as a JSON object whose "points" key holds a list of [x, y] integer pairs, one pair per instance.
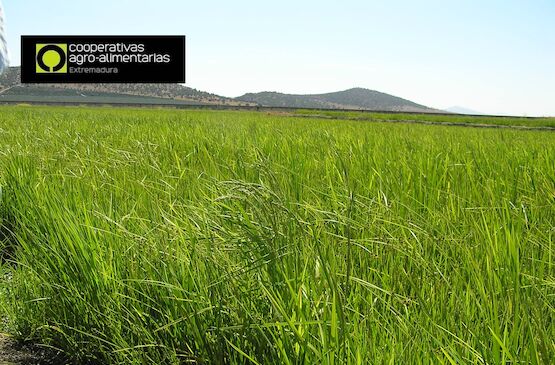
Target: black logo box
{"points": [[172, 72]]}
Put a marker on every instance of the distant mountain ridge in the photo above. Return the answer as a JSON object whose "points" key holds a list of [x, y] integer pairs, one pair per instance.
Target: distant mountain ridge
{"points": [[462, 110], [356, 98], [11, 90], [12, 79]]}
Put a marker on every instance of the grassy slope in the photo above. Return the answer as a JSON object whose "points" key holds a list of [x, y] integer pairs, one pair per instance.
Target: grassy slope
{"points": [[464, 119], [153, 236]]}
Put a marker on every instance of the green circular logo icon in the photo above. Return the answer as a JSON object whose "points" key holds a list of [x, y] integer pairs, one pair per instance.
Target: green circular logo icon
{"points": [[51, 58]]}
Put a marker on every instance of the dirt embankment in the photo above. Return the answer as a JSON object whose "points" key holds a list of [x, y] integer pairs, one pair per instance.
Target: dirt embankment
{"points": [[13, 353]]}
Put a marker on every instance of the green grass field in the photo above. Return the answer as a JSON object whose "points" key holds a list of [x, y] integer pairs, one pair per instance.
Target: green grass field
{"points": [[168, 237], [547, 122]]}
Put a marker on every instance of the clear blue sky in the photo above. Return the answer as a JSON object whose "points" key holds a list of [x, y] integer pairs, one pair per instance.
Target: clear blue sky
{"points": [[493, 56]]}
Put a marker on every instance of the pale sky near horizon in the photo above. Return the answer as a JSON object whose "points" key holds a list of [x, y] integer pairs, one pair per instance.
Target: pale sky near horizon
{"points": [[492, 56]]}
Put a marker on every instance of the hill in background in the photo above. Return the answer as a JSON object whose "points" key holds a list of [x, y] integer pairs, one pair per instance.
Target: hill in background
{"points": [[357, 98], [462, 110], [12, 90]]}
